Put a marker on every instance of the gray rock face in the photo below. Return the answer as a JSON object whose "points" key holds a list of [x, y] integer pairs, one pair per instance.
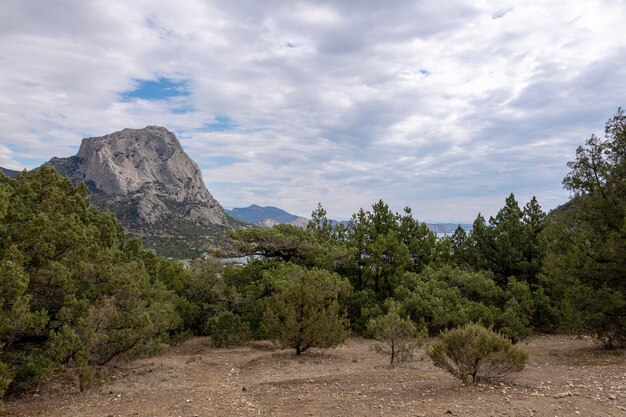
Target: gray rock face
{"points": [[145, 177]]}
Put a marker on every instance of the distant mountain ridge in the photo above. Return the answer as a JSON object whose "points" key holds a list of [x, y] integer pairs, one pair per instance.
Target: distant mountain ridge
{"points": [[254, 213], [9, 172], [269, 216], [448, 228]]}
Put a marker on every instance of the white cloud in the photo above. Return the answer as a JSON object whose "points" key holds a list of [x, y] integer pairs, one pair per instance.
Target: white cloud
{"points": [[6, 158], [443, 107]]}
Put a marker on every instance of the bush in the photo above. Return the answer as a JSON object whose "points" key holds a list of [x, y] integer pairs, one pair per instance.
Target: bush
{"points": [[473, 353], [399, 334], [5, 380], [305, 311], [226, 330], [89, 378], [74, 292]]}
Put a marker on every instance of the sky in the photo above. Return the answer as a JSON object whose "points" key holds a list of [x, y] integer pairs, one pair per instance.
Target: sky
{"points": [[443, 106]]}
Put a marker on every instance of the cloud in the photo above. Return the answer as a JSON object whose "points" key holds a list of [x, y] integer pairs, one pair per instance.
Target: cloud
{"points": [[6, 158], [446, 108]]}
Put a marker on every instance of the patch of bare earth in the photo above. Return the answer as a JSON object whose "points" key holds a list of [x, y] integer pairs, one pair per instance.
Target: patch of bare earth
{"points": [[565, 376]]}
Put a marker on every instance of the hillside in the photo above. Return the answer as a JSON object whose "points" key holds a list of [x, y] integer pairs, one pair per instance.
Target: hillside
{"points": [[9, 172]]}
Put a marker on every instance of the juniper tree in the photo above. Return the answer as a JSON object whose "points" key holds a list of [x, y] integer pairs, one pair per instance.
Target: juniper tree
{"points": [[306, 309]]}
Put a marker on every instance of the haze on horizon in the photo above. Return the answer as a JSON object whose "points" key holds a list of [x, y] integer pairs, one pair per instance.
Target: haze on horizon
{"points": [[443, 107]]}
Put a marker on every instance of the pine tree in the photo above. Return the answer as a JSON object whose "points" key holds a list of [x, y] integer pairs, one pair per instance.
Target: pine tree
{"points": [[585, 268]]}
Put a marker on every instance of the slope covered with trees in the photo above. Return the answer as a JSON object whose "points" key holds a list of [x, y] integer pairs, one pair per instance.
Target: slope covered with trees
{"points": [[73, 290]]}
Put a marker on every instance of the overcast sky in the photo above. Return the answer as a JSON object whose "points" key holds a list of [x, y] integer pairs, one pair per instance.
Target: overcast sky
{"points": [[443, 106]]}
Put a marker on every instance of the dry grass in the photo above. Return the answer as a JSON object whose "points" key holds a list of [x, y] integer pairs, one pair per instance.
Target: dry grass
{"points": [[564, 375]]}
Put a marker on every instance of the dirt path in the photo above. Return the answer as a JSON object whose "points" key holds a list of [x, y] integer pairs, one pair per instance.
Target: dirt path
{"points": [[564, 377]]}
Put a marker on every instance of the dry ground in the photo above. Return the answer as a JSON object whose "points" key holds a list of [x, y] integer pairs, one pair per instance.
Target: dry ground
{"points": [[565, 376]]}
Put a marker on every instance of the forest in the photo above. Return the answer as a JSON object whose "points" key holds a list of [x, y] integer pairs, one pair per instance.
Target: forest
{"points": [[76, 292]]}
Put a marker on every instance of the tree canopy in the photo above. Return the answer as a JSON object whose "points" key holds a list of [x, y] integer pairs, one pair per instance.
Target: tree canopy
{"points": [[306, 310], [586, 261], [73, 289]]}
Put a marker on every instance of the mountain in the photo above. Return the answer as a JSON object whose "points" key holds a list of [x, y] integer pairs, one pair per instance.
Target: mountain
{"points": [[9, 172], [150, 183], [447, 228], [266, 216], [270, 216]]}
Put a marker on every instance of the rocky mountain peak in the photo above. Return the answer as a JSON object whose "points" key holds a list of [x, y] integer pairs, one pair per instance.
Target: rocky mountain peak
{"points": [[145, 177], [125, 161]]}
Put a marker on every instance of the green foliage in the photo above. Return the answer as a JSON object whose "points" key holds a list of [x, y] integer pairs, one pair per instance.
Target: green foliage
{"points": [[508, 246], [282, 241], [419, 240], [384, 245], [474, 354], [586, 263], [204, 294], [515, 321], [399, 334], [16, 317], [227, 330], [305, 310], [73, 290], [5, 380], [449, 297], [460, 250], [363, 306], [319, 225], [248, 289], [290, 244], [429, 298], [386, 257], [89, 378]]}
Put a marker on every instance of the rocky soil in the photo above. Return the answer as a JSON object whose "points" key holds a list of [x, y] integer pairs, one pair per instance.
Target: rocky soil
{"points": [[565, 376]]}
